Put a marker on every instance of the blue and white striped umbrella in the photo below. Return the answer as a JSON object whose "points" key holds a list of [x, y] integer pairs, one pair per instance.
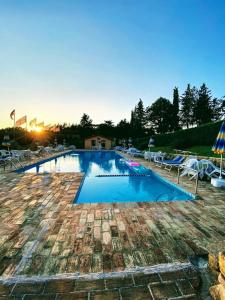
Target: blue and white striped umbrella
{"points": [[219, 146]]}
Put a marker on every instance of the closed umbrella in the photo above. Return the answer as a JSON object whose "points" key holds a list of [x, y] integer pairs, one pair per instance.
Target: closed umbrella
{"points": [[219, 146], [151, 143]]}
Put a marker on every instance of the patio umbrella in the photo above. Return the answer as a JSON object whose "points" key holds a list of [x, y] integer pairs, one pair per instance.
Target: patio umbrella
{"points": [[151, 143], [219, 146]]}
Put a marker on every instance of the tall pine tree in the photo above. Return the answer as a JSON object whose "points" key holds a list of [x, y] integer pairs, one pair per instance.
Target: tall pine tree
{"points": [[187, 107], [176, 100], [203, 111], [138, 119]]}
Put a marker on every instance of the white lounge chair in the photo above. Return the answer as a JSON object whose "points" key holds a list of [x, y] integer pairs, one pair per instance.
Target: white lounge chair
{"points": [[211, 170], [193, 168], [135, 152]]}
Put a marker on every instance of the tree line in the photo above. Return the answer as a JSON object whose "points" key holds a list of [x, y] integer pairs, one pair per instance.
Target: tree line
{"points": [[194, 107]]}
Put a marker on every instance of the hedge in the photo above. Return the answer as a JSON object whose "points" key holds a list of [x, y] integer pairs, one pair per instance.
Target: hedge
{"points": [[203, 135]]}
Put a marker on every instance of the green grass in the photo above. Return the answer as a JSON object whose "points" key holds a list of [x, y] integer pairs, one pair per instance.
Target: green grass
{"points": [[203, 150], [199, 150]]}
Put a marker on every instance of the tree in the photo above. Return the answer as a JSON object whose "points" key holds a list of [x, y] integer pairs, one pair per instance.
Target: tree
{"points": [[85, 128], [138, 119], [187, 107], [132, 119], [85, 121], [218, 109], [106, 129], [203, 112], [160, 115], [140, 114], [176, 100], [123, 129]]}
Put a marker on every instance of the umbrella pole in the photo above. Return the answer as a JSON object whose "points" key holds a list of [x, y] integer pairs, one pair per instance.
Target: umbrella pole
{"points": [[221, 165]]}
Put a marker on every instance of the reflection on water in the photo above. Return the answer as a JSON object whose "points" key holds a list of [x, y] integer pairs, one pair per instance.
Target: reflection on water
{"points": [[92, 163]]}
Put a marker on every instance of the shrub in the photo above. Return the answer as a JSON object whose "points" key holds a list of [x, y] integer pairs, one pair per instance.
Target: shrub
{"points": [[204, 135]]}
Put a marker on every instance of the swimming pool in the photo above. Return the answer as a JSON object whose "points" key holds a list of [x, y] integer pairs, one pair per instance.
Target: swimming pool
{"points": [[109, 178]]}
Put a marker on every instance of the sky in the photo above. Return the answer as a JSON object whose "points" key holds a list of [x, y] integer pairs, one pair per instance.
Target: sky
{"points": [[60, 59]]}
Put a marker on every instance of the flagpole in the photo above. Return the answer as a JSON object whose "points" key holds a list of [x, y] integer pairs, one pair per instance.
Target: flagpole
{"points": [[14, 126]]}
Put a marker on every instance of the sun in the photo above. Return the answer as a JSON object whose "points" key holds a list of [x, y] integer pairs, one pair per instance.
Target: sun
{"points": [[37, 129]]}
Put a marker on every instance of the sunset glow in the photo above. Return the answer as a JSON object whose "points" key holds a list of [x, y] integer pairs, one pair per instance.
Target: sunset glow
{"points": [[37, 129]]}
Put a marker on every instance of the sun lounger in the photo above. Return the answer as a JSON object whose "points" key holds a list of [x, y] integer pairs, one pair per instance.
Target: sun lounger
{"points": [[176, 162], [135, 152], [193, 168], [211, 170]]}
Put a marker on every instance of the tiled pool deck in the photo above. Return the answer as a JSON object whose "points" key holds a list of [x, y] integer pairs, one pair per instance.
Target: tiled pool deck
{"points": [[43, 234]]}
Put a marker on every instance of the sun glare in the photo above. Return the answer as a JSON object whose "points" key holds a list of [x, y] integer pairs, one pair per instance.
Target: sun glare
{"points": [[37, 129]]}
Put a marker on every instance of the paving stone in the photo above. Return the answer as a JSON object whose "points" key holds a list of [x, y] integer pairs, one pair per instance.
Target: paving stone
{"points": [[136, 293], [105, 295], [28, 288], [145, 279], [40, 297], [89, 284], [10, 298], [163, 291], [59, 286], [195, 282], [5, 289], [107, 263], [85, 263], [185, 287], [118, 262], [73, 296], [170, 276], [118, 282]]}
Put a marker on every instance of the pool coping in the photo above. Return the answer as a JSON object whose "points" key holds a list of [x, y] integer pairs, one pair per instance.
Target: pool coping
{"points": [[160, 268]]}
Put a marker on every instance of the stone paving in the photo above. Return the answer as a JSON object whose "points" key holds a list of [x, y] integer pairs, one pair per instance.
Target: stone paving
{"points": [[43, 234], [176, 284]]}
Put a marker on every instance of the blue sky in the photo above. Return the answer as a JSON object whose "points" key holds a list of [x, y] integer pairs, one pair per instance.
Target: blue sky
{"points": [[59, 59]]}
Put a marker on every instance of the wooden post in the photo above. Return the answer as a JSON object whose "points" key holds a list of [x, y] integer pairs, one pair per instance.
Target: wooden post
{"points": [[178, 175], [196, 185]]}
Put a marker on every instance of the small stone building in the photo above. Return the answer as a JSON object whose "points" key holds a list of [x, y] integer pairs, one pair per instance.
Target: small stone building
{"points": [[97, 143]]}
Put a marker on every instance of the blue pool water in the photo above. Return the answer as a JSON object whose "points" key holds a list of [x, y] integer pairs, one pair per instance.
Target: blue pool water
{"points": [[109, 179]]}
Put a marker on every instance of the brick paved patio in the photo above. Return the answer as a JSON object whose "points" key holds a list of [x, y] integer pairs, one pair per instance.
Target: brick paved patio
{"points": [[152, 285], [43, 234]]}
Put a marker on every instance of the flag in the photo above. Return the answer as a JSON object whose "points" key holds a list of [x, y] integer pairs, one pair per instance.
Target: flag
{"points": [[21, 121], [33, 122], [12, 114]]}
